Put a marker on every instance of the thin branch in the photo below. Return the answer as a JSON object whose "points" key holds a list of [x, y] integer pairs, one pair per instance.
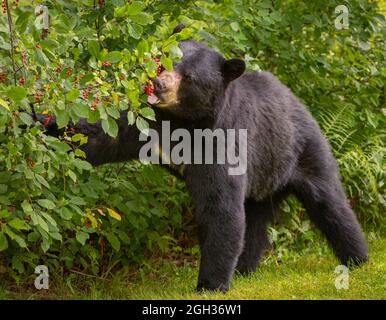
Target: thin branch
{"points": [[10, 25]]}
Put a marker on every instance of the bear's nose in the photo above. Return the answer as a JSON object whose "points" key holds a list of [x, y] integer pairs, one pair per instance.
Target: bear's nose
{"points": [[159, 85]]}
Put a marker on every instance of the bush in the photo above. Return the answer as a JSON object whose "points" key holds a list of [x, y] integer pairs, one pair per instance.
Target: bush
{"points": [[96, 56]]}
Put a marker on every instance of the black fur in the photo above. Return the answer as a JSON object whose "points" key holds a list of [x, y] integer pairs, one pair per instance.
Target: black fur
{"points": [[287, 153]]}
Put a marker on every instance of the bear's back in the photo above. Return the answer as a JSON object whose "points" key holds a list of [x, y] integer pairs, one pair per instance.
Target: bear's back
{"points": [[259, 102]]}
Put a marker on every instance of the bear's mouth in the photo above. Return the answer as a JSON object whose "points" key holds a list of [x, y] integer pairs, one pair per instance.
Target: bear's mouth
{"points": [[153, 99]]}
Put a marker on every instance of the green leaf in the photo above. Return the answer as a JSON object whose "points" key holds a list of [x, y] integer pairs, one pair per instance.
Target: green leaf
{"points": [[66, 213], [80, 110], [3, 241], [16, 94], [56, 236], [59, 146], [26, 118], [93, 48], [62, 118], [42, 223], [83, 165], [20, 241], [88, 77], [27, 208], [175, 53], [80, 153], [124, 237], [142, 18], [78, 200], [82, 237], [114, 57], [130, 118], [19, 224], [49, 219], [121, 11], [45, 245], [4, 213], [42, 181], [73, 95], [3, 188], [135, 31], [147, 113], [142, 47], [234, 26], [167, 63], [110, 127], [45, 203], [135, 8], [40, 57], [151, 67], [113, 112], [142, 125], [4, 104], [114, 241]]}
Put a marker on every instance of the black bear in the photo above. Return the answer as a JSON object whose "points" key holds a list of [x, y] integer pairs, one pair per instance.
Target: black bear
{"points": [[286, 153]]}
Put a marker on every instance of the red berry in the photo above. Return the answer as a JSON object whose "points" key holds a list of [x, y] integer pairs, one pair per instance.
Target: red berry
{"points": [[3, 77], [22, 81], [149, 89], [4, 6], [85, 95], [106, 64], [38, 46], [47, 120]]}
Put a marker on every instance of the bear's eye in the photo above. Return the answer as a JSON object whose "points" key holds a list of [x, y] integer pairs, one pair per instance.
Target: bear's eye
{"points": [[188, 77]]}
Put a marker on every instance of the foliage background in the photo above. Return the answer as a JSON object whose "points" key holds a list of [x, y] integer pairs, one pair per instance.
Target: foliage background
{"points": [[55, 209]]}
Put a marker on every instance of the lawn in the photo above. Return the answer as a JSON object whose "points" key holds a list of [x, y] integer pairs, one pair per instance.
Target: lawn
{"points": [[309, 277]]}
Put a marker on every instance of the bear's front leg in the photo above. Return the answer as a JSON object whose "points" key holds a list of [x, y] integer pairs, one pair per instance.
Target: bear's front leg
{"points": [[219, 201]]}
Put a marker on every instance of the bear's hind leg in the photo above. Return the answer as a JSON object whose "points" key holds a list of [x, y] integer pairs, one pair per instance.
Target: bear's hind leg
{"points": [[258, 215], [327, 206]]}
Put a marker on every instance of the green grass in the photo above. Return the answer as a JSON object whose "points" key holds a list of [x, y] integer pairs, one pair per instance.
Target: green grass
{"points": [[310, 276]]}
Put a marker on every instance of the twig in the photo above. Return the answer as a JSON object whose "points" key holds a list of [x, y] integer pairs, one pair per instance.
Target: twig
{"points": [[10, 25]]}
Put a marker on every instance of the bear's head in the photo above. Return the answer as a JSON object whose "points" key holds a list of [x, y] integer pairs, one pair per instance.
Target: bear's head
{"points": [[197, 83]]}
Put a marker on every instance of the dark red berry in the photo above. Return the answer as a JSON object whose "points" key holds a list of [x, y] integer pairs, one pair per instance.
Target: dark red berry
{"points": [[47, 120], [149, 89], [22, 81]]}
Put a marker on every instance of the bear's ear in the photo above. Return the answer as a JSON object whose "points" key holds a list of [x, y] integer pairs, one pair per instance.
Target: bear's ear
{"points": [[178, 28], [232, 69]]}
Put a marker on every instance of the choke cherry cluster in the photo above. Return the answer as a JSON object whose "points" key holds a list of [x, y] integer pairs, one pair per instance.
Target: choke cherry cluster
{"points": [[149, 88], [4, 6]]}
